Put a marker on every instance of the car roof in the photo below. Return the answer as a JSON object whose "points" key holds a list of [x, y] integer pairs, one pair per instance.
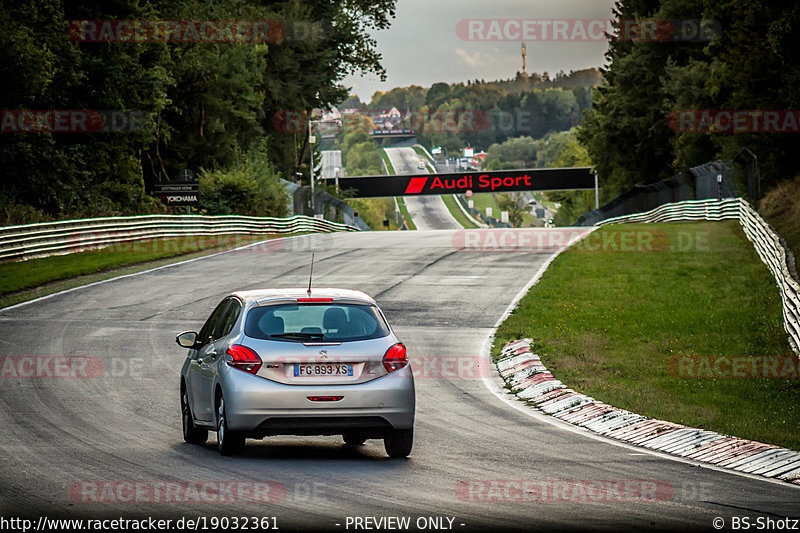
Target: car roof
{"points": [[264, 295]]}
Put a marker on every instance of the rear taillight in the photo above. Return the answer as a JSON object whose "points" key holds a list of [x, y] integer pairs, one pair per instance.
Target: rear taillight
{"points": [[325, 398], [395, 358], [314, 300], [243, 358]]}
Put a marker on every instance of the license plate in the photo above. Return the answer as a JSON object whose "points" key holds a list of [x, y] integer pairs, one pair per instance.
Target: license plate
{"points": [[319, 370]]}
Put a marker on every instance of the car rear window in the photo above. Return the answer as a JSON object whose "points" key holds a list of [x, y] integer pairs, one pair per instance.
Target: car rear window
{"points": [[303, 322]]}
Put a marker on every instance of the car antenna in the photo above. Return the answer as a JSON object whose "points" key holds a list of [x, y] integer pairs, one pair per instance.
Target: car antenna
{"points": [[310, 274]]}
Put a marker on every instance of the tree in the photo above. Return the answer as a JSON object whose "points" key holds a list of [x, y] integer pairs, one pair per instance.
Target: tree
{"points": [[438, 94], [626, 130], [403, 98], [304, 72], [514, 204], [751, 62], [753, 65], [252, 188], [362, 159], [77, 174], [206, 106], [519, 152]]}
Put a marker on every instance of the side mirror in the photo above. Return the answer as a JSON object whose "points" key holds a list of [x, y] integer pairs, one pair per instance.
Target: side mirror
{"points": [[187, 339]]}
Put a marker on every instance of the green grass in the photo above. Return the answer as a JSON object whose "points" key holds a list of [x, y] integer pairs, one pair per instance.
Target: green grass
{"points": [[429, 163], [487, 199], [606, 322], [542, 199], [421, 152], [452, 205], [401, 203], [388, 162], [24, 280], [483, 200]]}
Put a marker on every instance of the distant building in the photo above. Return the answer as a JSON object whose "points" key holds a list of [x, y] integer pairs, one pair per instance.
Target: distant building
{"points": [[387, 119], [332, 114], [329, 121]]}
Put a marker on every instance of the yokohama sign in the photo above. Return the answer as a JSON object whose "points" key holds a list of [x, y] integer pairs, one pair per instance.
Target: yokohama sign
{"points": [[540, 179]]}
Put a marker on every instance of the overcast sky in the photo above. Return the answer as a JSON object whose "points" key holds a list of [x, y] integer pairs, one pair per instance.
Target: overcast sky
{"points": [[422, 46]]}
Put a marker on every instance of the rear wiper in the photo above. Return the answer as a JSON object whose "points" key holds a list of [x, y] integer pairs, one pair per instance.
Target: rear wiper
{"points": [[298, 335]]}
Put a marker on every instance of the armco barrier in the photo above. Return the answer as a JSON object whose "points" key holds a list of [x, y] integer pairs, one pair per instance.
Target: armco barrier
{"points": [[765, 240], [38, 240], [698, 183]]}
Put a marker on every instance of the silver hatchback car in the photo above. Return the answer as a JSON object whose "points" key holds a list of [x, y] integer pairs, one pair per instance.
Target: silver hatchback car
{"points": [[294, 362]]}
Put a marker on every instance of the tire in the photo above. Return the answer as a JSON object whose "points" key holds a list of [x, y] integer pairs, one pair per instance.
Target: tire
{"points": [[354, 439], [228, 442], [398, 444], [191, 433]]}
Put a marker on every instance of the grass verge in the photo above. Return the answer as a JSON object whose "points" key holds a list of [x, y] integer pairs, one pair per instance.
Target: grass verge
{"points": [[423, 154], [26, 280], [387, 162], [612, 324], [486, 199], [401, 203], [452, 205], [483, 200]]}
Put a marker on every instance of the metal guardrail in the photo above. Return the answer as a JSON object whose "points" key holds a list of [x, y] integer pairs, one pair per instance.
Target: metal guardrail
{"points": [[66, 236], [766, 242], [698, 182]]}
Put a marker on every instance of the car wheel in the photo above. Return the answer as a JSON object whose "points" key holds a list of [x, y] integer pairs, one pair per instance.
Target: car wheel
{"points": [[191, 433], [399, 442], [228, 442], [354, 439]]}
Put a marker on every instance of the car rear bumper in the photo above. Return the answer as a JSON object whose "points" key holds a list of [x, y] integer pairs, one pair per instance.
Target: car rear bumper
{"points": [[262, 407]]}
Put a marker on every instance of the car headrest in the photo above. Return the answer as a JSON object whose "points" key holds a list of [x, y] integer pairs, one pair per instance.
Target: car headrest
{"points": [[335, 318], [271, 324]]}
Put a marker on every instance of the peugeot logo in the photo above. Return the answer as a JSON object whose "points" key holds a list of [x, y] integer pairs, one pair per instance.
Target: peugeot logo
{"points": [[323, 353]]}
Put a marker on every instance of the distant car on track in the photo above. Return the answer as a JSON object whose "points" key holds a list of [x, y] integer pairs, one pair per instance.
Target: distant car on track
{"points": [[421, 165], [297, 362]]}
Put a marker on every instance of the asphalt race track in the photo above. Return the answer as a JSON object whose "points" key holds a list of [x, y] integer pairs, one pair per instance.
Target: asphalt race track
{"points": [[427, 212], [331, 160], [61, 437]]}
